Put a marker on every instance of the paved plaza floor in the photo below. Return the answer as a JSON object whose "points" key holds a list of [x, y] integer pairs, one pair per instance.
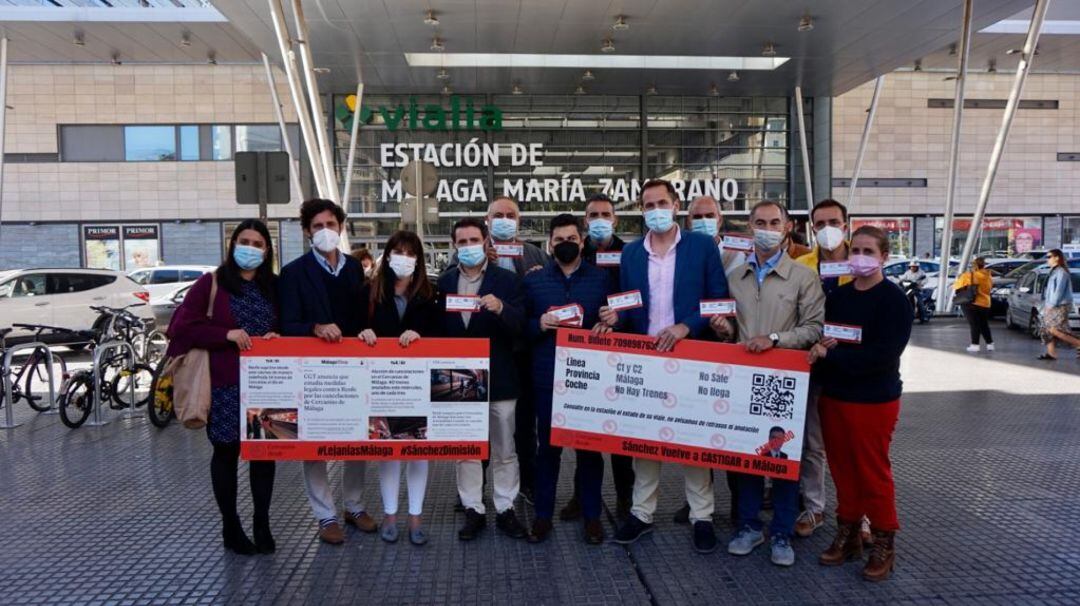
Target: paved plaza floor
{"points": [[987, 466]]}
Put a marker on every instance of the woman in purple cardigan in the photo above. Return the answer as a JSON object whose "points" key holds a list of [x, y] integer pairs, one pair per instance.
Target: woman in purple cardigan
{"points": [[244, 308]]}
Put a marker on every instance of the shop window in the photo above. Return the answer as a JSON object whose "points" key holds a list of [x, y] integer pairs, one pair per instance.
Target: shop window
{"points": [[899, 230], [1001, 236]]}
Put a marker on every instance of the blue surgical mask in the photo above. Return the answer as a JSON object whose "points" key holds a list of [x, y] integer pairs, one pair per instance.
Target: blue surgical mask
{"points": [[600, 229], [660, 220], [705, 226], [248, 257], [503, 229], [767, 240], [471, 256]]}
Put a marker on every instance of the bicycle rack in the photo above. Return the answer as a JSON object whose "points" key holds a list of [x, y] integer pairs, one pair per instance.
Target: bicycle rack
{"points": [[9, 413], [97, 420]]}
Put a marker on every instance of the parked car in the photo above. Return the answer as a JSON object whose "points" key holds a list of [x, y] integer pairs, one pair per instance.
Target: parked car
{"points": [[62, 297], [895, 268], [1026, 300], [165, 305], [166, 279]]}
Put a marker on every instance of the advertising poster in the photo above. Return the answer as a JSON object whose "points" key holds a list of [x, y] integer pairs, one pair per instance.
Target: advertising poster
{"points": [[140, 247], [102, 246], [304, 399], [705, 404]]}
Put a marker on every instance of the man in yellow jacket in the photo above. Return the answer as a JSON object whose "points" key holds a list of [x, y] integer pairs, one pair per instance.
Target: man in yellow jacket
{"points": [[828, 259]]}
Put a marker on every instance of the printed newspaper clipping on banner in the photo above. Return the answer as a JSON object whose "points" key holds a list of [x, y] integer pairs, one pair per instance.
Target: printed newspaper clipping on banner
{"points": [[705, 404], [305, 399]]}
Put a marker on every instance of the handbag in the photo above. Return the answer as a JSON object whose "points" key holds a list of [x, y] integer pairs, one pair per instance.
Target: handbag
{"points": [[966, 295], [189, 374]]}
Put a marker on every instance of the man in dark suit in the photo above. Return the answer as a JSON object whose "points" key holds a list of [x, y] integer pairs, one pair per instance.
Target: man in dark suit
{"points": [[322, 294], [776, 442], [498, 318], [673, 270], [604, 249]]}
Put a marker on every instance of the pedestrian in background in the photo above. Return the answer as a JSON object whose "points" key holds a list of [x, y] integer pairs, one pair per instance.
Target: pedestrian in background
{"points": [[240, 295], [977, 306], [1057, 306]]}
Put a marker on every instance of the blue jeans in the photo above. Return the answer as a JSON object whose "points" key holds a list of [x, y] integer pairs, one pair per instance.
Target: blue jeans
{"points": [[589, 475], [785, 500]]}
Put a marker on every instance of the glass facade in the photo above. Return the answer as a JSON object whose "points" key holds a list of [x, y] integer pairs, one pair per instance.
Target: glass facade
{"points": [[1001, 236], [551, 152]]}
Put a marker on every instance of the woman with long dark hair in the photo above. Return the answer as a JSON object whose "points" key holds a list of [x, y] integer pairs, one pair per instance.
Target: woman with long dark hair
{"points": [[977, 311], [402, 306], [1057, 305], [240, 294]]}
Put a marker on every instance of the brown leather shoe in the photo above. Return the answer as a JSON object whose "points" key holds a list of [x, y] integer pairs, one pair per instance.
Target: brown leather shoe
{"points": [[846, 545], [594, 532], [882, 557], [808, 522], [363, 522], [541, 529], [332, 534]]}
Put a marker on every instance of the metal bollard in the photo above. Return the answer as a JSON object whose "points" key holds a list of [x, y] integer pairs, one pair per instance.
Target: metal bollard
{"points": [[9, 413], [99, 351]]}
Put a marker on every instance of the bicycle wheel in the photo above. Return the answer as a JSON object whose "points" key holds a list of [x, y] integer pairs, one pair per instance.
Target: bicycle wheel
{"points": [[160, 409], [77, 400], [154, 346], [37, 379], [136, 383]]}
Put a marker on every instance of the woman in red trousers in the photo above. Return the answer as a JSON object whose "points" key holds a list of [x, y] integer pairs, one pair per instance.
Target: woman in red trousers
{"points": [[868, 323]]}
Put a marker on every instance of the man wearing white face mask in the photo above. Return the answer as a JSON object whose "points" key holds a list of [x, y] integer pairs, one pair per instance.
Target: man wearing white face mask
{"points": [[673, 271], [704, 217], [322, 294], [778, 303], [829, 260]]}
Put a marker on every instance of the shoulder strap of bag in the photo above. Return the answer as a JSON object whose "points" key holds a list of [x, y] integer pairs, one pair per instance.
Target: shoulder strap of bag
{"points": [[213, 295]]}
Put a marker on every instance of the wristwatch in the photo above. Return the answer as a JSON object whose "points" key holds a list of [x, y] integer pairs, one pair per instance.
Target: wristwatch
{"points": [[775, 338]]}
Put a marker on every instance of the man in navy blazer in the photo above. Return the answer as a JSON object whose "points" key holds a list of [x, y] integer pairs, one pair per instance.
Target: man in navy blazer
{"points": [[322, 294], [498, 317], [674, 271]]}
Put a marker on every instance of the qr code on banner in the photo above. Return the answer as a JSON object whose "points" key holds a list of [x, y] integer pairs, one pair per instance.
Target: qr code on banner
{"points": [[773, 396]]}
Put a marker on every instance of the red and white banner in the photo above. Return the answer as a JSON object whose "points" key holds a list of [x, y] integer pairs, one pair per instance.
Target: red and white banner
{"points": [[305, 399], [705, 404]]}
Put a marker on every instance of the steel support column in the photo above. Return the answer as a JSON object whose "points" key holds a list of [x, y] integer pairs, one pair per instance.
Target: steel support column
{"points": [[807, 176], [288, 59], [944, 298], [294, 173], [1022, 69], [864, 141], [304, 48], [352, 147], [3, 126]]}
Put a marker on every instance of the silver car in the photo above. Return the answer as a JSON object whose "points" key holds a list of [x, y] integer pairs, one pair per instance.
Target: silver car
{"points": [[1026, 301]]}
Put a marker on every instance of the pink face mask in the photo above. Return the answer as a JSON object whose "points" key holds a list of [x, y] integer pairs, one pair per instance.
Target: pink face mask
{"points": [[864, 265]]}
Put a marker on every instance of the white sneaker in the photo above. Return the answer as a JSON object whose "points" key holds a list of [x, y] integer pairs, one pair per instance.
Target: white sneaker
{"points": [[989, 347], [973, 349]]}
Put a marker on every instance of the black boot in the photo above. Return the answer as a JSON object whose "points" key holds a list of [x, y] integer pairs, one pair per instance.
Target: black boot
{"points": [[262, 488], [235, 539]]}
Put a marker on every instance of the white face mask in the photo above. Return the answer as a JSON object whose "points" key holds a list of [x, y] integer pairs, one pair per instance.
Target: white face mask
{"points": [[830, 238], [403, 265], [326, 240]]}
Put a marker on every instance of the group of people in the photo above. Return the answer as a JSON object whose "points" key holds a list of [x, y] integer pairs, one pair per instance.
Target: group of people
{"points": [[781, 302]]}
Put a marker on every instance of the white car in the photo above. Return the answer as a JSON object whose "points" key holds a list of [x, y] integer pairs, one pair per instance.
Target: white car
{"points": [[160, 281], [62, 297], [165, 305]]}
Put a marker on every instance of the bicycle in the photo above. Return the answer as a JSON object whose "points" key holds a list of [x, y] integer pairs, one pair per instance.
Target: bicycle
{"points": [[121, 385], [34, 370], [160, 409], [117, 323]]}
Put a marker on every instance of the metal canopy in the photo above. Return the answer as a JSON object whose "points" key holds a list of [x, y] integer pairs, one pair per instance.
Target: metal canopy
{"points": [[852, 42]]}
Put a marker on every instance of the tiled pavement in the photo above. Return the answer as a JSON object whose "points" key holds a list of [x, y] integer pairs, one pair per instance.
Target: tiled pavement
{"points": [[987, 467]]}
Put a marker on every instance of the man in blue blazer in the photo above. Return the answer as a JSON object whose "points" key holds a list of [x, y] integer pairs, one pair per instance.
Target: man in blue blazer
{"points": [[498, 317], [322, 295], [674, 271]]}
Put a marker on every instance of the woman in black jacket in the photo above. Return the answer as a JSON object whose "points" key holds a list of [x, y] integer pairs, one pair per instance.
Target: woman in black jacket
{"points": [[402, 305]]}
